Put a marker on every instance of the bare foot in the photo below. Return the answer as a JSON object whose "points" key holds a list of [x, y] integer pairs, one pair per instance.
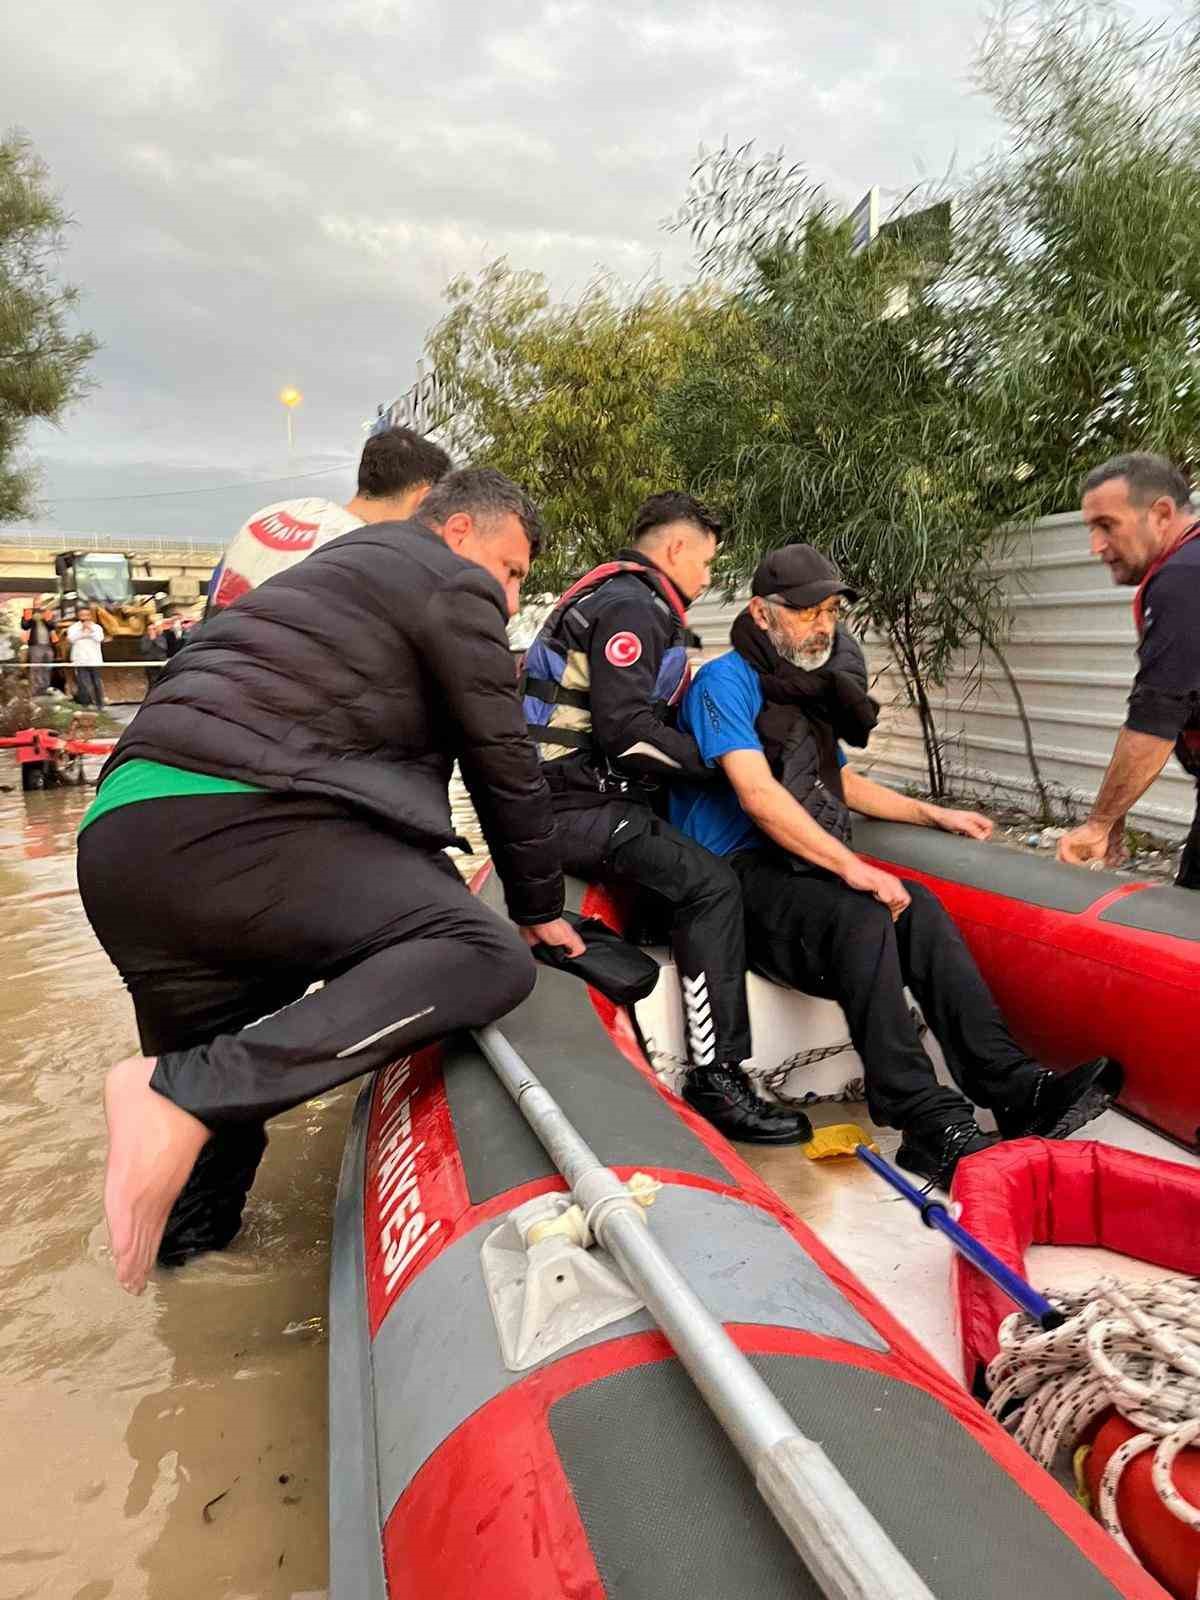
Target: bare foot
{"points": [[152, 1147]]}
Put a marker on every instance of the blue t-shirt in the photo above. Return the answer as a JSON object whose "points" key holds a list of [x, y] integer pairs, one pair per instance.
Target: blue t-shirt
{"points": [[719, 711]]}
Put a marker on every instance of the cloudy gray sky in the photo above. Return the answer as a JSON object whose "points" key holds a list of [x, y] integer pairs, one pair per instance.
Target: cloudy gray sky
{"points": [[268, 194]]}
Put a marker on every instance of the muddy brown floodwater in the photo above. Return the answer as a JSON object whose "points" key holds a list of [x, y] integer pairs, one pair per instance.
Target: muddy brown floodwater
{"points": [[171, 1447]]}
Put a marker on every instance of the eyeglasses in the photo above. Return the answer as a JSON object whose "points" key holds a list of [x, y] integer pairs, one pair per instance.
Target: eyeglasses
{"points": [[831, 608]]}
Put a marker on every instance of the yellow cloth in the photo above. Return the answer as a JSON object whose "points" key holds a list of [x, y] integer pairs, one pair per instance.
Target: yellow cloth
{"points": [[842, 1139]]}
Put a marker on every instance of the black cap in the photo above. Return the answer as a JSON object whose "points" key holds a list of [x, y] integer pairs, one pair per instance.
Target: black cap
{"points": [[800, 576]]}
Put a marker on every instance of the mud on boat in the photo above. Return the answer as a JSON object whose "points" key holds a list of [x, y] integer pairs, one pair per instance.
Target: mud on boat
{"points": [[598, 1471]]}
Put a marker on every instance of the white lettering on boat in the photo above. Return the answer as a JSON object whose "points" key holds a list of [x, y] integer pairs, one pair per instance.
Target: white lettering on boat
{"points": [[404, 1231]]}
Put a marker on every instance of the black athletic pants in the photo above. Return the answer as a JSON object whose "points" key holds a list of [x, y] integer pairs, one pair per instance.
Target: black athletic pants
{"points": [[698, 893], [805, 928], [219, 911]]}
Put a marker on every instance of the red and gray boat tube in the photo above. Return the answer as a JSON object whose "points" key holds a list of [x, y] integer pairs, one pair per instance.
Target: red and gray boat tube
{"points": [[844, 1547]]}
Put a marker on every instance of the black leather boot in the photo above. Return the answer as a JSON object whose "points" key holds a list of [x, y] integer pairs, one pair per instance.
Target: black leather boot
{"points": [[725, 1097], [933, 1152], [1062, 1102]]}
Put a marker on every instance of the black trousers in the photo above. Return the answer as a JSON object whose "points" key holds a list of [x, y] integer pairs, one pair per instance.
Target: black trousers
{"points": [[805, 928], [89, 690], [40, 658], [220, 911], [698, 897], [1188, 876]]}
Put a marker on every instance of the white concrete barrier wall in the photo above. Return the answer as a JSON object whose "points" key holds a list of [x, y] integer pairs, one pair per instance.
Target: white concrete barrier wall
{"points": [[1071, 650]]}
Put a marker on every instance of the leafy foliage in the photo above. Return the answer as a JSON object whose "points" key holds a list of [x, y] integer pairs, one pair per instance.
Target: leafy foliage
{"points": [[899, 406], [833, 412], [562, 396], [41, 361], [1077, 279], [741, 208]]}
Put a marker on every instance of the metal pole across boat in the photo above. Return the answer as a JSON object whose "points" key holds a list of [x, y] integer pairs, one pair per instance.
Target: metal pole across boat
{"points": [[846, 1550]]}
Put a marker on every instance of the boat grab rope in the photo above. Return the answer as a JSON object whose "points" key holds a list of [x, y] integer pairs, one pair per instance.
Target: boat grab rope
{"points": [[675, 1068], [774, 1078], [1132, 1348]]}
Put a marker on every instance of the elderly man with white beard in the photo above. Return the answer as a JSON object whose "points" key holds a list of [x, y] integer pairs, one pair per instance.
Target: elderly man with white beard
{"points": [[773, 715]]}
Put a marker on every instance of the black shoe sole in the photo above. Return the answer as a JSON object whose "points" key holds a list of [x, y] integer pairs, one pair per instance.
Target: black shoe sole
{"points": [[936, 1175], [1079, 1113], [763, 1138], [1092, 1102]]}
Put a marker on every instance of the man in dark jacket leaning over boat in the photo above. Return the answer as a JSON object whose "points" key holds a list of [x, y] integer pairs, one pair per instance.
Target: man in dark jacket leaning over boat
{"points": [[602, 682], [277, 813], [772, 715]]}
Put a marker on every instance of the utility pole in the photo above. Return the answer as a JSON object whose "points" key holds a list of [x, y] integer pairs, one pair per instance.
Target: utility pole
{"points": [[290, 398]]}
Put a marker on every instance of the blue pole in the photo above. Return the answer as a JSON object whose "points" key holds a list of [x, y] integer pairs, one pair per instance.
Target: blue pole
{"points": [[935, 1215]]}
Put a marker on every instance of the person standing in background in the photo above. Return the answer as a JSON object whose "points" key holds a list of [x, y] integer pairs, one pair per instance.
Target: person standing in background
{"points": [[396, 471], [86, 638], [40, 635]]}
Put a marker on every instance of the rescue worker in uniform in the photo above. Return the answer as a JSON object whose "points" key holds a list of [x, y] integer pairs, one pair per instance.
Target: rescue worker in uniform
{"points": [[771, 716], [1139, 512], [601, 682]]}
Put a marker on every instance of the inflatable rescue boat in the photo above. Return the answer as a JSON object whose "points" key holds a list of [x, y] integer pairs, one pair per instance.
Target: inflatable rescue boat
{"points": [[484, 1445], [1083, 963]]}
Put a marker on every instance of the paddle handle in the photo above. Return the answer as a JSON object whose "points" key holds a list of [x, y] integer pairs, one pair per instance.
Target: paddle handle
{"points": [[935, 1215]]}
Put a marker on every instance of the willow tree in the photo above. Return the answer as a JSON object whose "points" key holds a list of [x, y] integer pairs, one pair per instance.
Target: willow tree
{"points": [[562, 395], [1077, 275], [834, 410], [42, 359]]}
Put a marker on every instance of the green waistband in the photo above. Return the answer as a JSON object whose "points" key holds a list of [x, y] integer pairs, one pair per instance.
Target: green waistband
{"points": [[152, 780]]}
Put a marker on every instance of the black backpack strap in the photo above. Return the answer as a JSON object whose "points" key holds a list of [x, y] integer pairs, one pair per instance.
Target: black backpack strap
{"points": [[553, 693], [570, 738]]}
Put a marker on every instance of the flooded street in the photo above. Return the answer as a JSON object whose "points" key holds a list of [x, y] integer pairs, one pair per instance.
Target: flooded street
{"points": [[171, 1447]]}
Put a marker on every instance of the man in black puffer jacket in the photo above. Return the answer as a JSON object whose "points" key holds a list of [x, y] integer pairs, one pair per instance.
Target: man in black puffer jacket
{"points": [[276, 814], [772, 715]]}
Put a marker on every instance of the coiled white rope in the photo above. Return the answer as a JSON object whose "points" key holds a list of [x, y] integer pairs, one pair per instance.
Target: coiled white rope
{"points": [[1134, 1348]]}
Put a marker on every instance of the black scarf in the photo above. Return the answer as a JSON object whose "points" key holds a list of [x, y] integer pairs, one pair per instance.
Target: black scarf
{"points": [[826, 706], [835, 694]]}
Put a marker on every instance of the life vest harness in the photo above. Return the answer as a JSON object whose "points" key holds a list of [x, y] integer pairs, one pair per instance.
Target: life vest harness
{"points": [[556, 681]]}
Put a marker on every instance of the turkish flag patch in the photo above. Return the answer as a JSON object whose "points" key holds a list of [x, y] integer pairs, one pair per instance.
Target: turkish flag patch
{"points": [[623, 649]]}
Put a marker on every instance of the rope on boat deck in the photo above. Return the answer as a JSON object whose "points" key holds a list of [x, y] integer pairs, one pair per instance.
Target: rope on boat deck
{"points": [[774, 1078], [1134, 1348]]}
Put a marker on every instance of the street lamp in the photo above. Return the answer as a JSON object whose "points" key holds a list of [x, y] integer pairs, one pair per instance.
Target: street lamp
{"points": [[290, 397]]}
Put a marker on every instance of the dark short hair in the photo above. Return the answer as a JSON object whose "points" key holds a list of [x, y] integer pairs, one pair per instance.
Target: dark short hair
{"points": [[673, 506], [483, 492], [397, 460], [1149, 478]]}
